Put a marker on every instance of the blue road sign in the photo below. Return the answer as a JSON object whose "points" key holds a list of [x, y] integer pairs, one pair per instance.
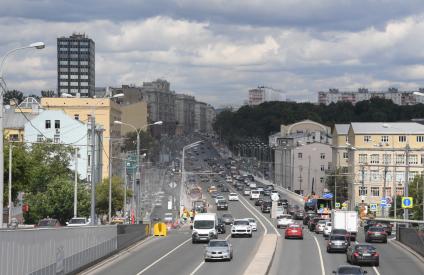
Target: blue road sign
{"points": [[383, 202], [327, 196]]}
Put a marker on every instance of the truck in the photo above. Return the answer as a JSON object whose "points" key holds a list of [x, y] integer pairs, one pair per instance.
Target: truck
{"points": [[204, 227], [348, 220]]}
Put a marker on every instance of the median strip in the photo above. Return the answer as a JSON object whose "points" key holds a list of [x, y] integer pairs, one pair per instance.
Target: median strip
{"points": [[262, 260]]}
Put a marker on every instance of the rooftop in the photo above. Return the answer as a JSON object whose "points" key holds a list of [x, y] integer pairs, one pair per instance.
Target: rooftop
{"points": [[387, 128], [342, 129]]}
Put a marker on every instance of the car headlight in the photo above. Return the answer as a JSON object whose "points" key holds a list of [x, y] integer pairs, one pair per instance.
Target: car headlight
{"points": [[195, 233]]}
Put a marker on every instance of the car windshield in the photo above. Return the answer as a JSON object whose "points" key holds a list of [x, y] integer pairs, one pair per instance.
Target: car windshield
{"points": [[284, 217], [251, 220], [376, 229], [218, 244], [77, 221], [202, 224], [241, 222], [350, 270], [255, 192], [222, 202], [233, 194], [338, 238], [364, 247], [227, 216], [294, 226]]}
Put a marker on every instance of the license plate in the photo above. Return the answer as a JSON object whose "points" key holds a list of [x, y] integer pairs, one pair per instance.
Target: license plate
{"points": [[294, 231], [377, 234], [366, 254]]}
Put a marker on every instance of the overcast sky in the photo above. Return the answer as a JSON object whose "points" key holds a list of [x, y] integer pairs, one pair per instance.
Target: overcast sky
{"points": [[219, 49]]}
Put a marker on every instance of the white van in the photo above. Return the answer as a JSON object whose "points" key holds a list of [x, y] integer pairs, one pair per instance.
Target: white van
{"points": [[254, 194], [204, 227]]}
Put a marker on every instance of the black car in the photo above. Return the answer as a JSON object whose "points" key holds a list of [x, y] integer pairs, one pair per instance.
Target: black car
{"points": [[259, 202], [221, 226], [225, 189], [267, 192], [227, 218], [239, 187], [298, 214], [363, 254], [283, 202], [337, 243], [349, 270], [222, 205], [313, 222], [266, 206], [220, 184], [376, 234], [307, 216]]}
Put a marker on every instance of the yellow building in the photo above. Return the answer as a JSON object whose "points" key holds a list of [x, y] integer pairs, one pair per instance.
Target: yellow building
{"points": [[378, 157], [105, 110], [340, 152], [134, 114]]}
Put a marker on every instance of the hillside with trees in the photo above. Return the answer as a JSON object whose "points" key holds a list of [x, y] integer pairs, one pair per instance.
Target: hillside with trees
{"points": [[266, 118]]}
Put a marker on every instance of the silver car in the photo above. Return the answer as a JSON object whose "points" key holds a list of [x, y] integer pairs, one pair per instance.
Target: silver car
{"points": [[218, 250]]}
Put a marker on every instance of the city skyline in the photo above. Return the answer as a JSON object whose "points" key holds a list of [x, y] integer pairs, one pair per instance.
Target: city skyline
{"points": [[218, 53]]}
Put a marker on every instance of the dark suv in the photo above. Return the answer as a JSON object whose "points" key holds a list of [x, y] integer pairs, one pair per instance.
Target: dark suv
{"points": [[266, 206], [337, 243], [376, 234]]}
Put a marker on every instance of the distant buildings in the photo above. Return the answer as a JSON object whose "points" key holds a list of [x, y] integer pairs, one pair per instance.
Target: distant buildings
{"points": [[264, 94], [303, 155], [76, 65], [398, 97], [200, 117], [256, 96], [184, 109]]}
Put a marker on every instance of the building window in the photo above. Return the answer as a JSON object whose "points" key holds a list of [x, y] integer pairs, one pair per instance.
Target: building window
{"points": [[89, 178], [363, 191], [73, 70], [413, 159], [63, 62], [400, 176], [76, 116], [422, 159], [322, 156], [345, 155], [375, 159], [322, 167], [321, 180], [420, 138], [63, 70], [400, 159], [362, 158], [84, 63], [14, 137], [387, 159], [411, 175], [388, 191], [367, 139], [39, 138], [84, 76], [384, 138], [402, 138], [48, 124], [347, 139], [74, 83], [375, 175], [57, 124], [73, 63], [375, 191], [299, 155], [56, 139], [89, 160], [399, 191], [84, 83], [74, 76], [64, 76]]}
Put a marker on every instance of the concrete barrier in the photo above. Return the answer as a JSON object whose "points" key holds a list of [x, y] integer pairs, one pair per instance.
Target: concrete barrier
{"points": [[262, 260], [128, 234], [413, 238]]}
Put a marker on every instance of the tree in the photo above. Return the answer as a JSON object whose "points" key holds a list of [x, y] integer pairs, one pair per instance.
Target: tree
{"points": [[102, 195], [342, 185], [146, 141], [57, 202], [13, 94], [416, 192], [48, 93]]}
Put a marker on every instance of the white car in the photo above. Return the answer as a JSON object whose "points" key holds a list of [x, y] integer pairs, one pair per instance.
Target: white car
{"points": [[217, 198], [275, 196], [252, 185], [252, 223], [78, 222], [241, 227], [327, 229], [233, 197], [254, 194], [284, 221], [167, 217], [260, 189], [246, 192]]}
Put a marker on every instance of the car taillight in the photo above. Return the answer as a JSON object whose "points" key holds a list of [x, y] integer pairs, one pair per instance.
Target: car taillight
{"points": [[376, 254], [369, 232], [355, 254]]}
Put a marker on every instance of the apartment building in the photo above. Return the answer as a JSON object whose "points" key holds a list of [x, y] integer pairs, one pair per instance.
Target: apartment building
{"points": [[383, 157], [200, 116], [184, 110], [340, 147]]}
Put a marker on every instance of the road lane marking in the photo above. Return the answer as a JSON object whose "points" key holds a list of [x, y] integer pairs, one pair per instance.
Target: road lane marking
{"points": [[203, 262], [320, 257], [163, 257], [376, 270]]}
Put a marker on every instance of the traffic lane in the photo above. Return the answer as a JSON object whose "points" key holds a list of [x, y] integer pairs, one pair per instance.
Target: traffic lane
{"points": [[141, 257]]}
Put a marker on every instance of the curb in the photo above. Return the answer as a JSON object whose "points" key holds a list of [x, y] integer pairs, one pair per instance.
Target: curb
{"points": [[407, 248], [261, 262]]}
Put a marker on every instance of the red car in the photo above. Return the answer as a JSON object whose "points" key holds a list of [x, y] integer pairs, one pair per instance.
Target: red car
{"points": [[294, 231]]}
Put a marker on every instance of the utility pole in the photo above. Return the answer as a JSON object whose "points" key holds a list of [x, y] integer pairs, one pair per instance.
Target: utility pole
{"points": [[335, 187], [300, 179], [125, 188], [383, 209], [309, 171], [110, 182], [363, 183], [406, 187], [76, 183], [93, 170], [10, 184]]}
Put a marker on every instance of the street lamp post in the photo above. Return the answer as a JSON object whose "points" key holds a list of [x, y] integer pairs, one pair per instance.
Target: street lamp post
{"points": [[138, 132], [38, 46]]}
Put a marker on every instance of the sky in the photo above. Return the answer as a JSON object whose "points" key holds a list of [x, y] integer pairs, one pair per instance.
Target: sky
{"points": [[217, 50]]}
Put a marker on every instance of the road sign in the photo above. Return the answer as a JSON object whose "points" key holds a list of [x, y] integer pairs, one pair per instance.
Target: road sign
{"points": [[344, 204], [373, 207], [327, 196], [389, 200], [337, 205], [407, 202], [172, 184], [383, 202]]}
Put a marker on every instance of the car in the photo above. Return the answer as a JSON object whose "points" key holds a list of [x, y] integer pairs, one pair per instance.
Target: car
{"points": [[227, 218], [239, 187], [327, 229], [283, 202], [362, 254], [241, 227], [78, 222], [222, 205], [252, 223], [167, 217], [275, 196], [155, 218], [284, 220], [221, 226], [225, 189], [259, 202], [298, 214], [48, 223], [294, 231], [214, 194], [218, 198], [313, 222], [233, 197], [212, 188], [337, 243], [386, 225], [254, 194], [267, 193], [266, 206], [252, 185], [349, 270], [376, 234], [319, 227], [218, 250], [246, 192], [260, 189]]}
